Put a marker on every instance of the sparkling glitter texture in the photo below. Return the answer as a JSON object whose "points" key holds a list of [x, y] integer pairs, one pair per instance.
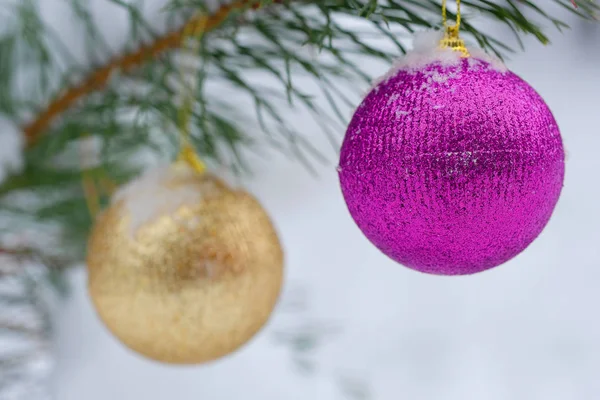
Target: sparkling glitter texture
{"points": [[193, 283], [452, 169]]}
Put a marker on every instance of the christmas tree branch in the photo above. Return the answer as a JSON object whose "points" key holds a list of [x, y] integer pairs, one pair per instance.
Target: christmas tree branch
{"points": [[125, 64]]}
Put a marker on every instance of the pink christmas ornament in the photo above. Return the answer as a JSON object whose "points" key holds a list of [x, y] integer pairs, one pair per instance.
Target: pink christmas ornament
{"points": [[451, 165]]}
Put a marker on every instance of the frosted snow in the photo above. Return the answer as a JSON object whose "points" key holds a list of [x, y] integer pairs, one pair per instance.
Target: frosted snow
{"points": [[495, 62], [426, 41], [426, 51], [152, 194], [393, 98]]}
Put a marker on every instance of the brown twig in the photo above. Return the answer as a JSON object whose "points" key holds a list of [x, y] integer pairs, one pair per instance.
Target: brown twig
{"points": [[124, 64]]}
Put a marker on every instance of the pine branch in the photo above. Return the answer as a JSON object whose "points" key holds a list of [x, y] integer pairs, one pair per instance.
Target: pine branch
{"points": [[125, 64]]}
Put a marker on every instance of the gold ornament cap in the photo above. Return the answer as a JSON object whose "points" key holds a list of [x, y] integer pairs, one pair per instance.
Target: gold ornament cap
{"points": [[452, 38], [453, 41]]}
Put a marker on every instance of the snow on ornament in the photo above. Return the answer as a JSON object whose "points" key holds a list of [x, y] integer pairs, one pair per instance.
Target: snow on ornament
{"points": [[452, 164]]}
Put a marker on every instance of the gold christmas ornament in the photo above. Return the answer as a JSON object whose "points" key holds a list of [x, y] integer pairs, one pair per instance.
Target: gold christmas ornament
{"points": [[183, 269]]}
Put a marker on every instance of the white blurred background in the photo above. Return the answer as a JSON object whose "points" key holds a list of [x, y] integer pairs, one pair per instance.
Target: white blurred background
{"points": [[353, 324]]}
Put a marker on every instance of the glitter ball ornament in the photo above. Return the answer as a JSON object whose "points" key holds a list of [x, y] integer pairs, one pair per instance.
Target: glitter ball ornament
{"points": [[451, 165], [182, 268]]}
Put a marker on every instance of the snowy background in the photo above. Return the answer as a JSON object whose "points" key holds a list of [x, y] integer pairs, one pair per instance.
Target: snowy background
{"points": [[354, 325]]}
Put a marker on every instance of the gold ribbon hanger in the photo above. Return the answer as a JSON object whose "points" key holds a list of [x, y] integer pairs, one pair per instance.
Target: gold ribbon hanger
{"points": [[452, 38], [187, 153]]}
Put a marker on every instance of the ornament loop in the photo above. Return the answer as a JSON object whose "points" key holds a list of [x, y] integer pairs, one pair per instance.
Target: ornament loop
{"points": [[188, 155], [445, 18], [187, 152], [452, 38]]}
